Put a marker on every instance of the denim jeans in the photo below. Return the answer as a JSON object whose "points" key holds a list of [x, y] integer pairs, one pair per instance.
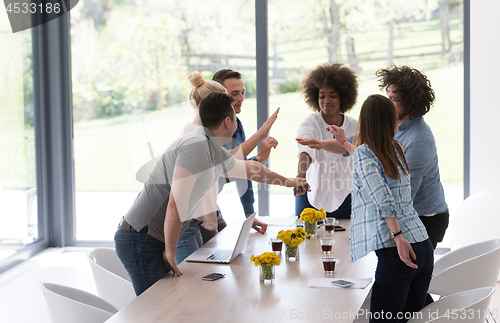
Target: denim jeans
{"points": [[343, 212], [142, 256], [221, 224], [399, 289], [189, 241]]}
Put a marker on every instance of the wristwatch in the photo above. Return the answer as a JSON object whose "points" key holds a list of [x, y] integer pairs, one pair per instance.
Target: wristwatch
{"points": [[394, 235]]}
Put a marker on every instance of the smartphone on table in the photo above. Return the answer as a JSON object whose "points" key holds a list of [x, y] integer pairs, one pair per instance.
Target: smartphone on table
{"points": [[342, 283], [213, 276]]}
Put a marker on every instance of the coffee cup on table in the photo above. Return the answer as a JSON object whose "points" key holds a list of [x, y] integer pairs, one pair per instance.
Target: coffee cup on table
{"points": [[329, 264], [327, 245], [330, 224], [277, 245]]}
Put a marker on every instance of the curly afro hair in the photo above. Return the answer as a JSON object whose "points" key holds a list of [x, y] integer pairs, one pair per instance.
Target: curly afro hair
{"points": [[341, 78], [414, 89]]}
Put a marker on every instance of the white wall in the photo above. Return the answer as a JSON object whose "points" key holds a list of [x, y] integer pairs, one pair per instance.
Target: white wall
{"points": [[485, 95]]}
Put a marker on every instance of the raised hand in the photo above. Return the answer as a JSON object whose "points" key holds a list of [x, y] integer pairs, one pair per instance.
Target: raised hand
{"points": [[338, 133], [311, 142], [264, 129], [265, 148]]}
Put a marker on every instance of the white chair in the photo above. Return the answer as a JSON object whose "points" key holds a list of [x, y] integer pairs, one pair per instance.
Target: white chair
{"points": [[111, 278], [477, 219], [470, 267], [67, 304], [468, 306]]}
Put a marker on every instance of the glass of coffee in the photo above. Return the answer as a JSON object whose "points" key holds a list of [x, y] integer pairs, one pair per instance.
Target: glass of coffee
{"points": [[330, 224], [329, 264], [277, 244], [327, 245]]}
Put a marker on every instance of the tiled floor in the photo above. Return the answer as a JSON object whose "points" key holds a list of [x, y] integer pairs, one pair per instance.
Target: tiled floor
{"points": [[21, 299]]}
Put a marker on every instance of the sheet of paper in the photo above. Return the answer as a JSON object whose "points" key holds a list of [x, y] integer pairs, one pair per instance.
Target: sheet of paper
{"points": [[270, 220], [359, 283]]}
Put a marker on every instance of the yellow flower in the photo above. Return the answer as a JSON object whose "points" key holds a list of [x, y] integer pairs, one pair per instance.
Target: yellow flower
{"points": [[293, 237], [323, 213], [312, 215], [267, 258]]}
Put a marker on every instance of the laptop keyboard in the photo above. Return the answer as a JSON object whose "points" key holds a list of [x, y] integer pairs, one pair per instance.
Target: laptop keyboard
{"points": [[221, 255]]}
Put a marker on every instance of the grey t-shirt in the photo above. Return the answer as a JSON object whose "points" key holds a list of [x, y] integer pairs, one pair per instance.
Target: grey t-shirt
{"points": [[199, 153]]}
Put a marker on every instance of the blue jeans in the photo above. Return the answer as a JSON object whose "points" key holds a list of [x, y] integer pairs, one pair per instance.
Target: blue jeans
{"points": [[399, 289], [343, 212], [221, 224], [142, 256], [189, 241]]}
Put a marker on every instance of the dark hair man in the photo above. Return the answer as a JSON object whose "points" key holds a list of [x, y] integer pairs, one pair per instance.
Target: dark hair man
{"points": [[235, 87], [412, 95], [147, 238]]}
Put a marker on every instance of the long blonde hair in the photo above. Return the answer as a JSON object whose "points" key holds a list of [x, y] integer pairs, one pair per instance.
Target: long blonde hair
{"points": [[377, 122], [202, 87]]}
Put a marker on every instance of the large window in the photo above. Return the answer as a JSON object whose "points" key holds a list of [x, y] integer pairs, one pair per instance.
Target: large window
{"points": [[18, 191], [130, 62], [367, 36]]}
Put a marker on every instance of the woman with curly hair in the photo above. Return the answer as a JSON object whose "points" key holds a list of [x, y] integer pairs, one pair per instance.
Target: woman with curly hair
{"points": [[330, 90], [411, 92]]}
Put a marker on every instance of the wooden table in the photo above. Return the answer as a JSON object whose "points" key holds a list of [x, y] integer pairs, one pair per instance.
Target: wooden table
{"points": [[240, 297]]}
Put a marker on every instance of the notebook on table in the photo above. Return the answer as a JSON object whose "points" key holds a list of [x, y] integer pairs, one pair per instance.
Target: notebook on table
{"points": [[224, 256]]}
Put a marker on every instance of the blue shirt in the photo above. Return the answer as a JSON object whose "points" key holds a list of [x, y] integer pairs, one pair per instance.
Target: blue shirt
{"points": [[421, 154], [376, 196], [244, 187]]}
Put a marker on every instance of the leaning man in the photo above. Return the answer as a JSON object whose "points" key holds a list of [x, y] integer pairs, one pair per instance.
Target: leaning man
{"points": [[146, 239]]}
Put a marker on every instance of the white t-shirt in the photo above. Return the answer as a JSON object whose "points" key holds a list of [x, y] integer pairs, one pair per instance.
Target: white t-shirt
{"points": [[329, 175]]}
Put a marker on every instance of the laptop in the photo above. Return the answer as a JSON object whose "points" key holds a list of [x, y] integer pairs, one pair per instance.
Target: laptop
{"points": [[224, 256]]}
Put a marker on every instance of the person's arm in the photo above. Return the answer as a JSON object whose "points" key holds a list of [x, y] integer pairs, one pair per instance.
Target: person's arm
{"points": [[419, 156], [171, 229], [405, 251], [330, 145], [339, 135], [304, 163], [248, 145], [265, 149], [257, 172], [178, 211]]}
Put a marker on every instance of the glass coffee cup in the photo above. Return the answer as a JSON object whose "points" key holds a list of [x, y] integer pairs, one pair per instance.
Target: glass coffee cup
{"points": [[329, 264], [277, 244], [327, 245], [330, 224]]}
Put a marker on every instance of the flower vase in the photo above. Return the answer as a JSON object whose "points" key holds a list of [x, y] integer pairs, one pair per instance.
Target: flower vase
{"points": [[267, 274], [311, 228], [292, 253]]}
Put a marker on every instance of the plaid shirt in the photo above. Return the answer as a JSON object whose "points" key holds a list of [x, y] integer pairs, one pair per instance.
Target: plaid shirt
{"points": [[376, 196]]}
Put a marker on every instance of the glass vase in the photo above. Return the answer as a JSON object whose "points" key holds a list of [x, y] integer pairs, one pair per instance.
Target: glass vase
{"points": [[292, 253], [267, 274], [311, 228]]}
